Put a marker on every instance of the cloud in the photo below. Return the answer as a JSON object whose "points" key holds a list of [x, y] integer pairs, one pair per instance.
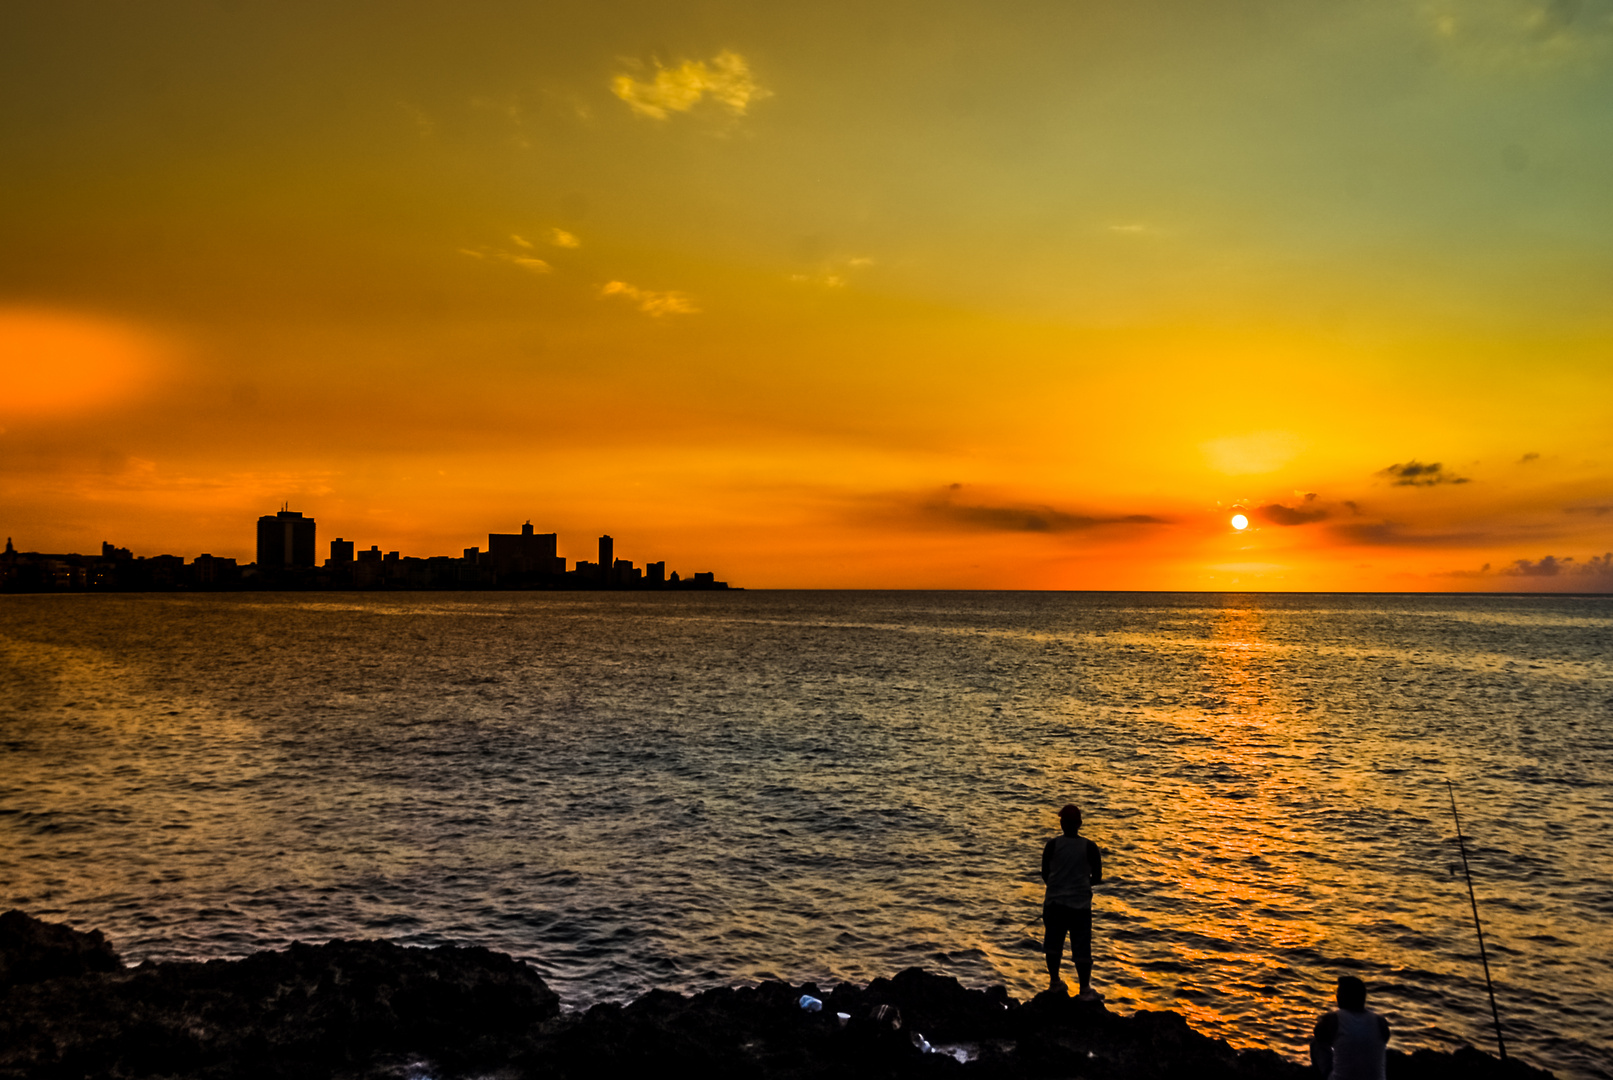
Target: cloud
{"points": [[1278, 514], [942, 511], [1597, 566], [1523, 33], [1390, 534], [1595, 571], [1531, 456], [1594, 511], [727, 80], [830, 276], [515, 258], [1416, 474], [651, 303], [561, 238], [1549, 566]]}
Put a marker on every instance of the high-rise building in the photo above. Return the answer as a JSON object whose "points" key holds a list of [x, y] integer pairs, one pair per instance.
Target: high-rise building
{"points": [[285, 539], [341, 551], [525, 552], [607, 558]]}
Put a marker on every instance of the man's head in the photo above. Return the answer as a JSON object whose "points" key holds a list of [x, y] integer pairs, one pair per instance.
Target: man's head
{"points": [[1352, 993], [1070, 818]]}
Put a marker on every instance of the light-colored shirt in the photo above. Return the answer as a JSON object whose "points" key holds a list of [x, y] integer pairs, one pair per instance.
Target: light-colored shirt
{"points": [[1071, 865], [1351, 1045]]}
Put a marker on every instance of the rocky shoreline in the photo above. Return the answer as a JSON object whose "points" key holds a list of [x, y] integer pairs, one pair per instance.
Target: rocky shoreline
{"points": [[373, 1009]]}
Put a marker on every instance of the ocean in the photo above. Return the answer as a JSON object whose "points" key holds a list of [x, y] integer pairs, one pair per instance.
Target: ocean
{"points": [[680, 791]]}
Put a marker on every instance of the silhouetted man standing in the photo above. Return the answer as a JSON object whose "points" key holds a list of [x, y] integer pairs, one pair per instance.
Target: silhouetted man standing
{"points": [[1351, 1043], [1071, 865]]}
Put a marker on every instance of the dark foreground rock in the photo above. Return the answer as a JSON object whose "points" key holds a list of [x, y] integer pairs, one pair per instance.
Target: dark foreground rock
{"points": [[374, 1009], [32, 950]]}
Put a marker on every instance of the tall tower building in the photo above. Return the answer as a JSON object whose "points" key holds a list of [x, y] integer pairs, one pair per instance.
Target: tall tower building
{"points": [[607, 557], [285, 539]]}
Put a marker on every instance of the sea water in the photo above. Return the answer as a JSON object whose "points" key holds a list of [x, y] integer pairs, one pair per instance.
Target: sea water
{"points": [[690, 790]]}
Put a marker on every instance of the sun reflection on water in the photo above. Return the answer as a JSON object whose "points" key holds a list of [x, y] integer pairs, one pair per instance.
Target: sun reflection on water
{"points": [[680, 792]]}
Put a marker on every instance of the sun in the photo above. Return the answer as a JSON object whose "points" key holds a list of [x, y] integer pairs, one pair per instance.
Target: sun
{"points": [[1240, 522]]}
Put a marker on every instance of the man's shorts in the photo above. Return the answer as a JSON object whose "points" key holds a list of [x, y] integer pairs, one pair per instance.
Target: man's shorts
{"points": [[1077, 922]]}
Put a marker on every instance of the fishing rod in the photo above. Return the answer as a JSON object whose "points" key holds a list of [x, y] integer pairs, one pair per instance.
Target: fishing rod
{"points": [[1483, 959]]}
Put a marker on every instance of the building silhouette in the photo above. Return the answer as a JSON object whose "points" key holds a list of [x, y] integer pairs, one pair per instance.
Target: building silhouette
{"points": [[524, 560], [525, 552], [285, 540]]}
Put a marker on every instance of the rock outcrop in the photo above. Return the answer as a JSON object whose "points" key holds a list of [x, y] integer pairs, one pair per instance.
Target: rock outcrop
{"points": [[374, 1009], [32, 950]]}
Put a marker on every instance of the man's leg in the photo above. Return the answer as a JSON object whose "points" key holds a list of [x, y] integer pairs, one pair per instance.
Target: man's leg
{"points": [[1081, 947], [1052, 945]]}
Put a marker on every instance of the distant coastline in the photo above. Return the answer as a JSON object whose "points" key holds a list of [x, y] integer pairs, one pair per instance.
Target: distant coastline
{"points": [[526, 560], [44, 572]]}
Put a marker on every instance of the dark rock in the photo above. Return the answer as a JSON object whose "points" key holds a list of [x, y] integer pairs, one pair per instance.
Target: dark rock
{"points": [[371, 1009], [941, 1006], [32, 950], [1463, 1063], [304, 1011]]}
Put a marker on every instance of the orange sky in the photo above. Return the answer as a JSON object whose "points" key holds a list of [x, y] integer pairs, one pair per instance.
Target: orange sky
{"points": [[873, 295]]}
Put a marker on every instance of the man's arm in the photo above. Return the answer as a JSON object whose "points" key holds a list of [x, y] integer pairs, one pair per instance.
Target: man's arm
{"points": [[1094, 863], [1327, 1030], [1047, 859]]}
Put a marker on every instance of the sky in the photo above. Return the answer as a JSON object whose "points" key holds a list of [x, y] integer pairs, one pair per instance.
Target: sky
{"points": [[862, 295]]}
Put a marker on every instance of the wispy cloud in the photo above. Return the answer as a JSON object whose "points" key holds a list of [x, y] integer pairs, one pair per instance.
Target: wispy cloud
{"points": [[726, 80], [834, 274], [1393, 534], [945, 510], [562, 239], [515, 258], [423, 123], [1416, 474], [651, 303], [1531, 33]]}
